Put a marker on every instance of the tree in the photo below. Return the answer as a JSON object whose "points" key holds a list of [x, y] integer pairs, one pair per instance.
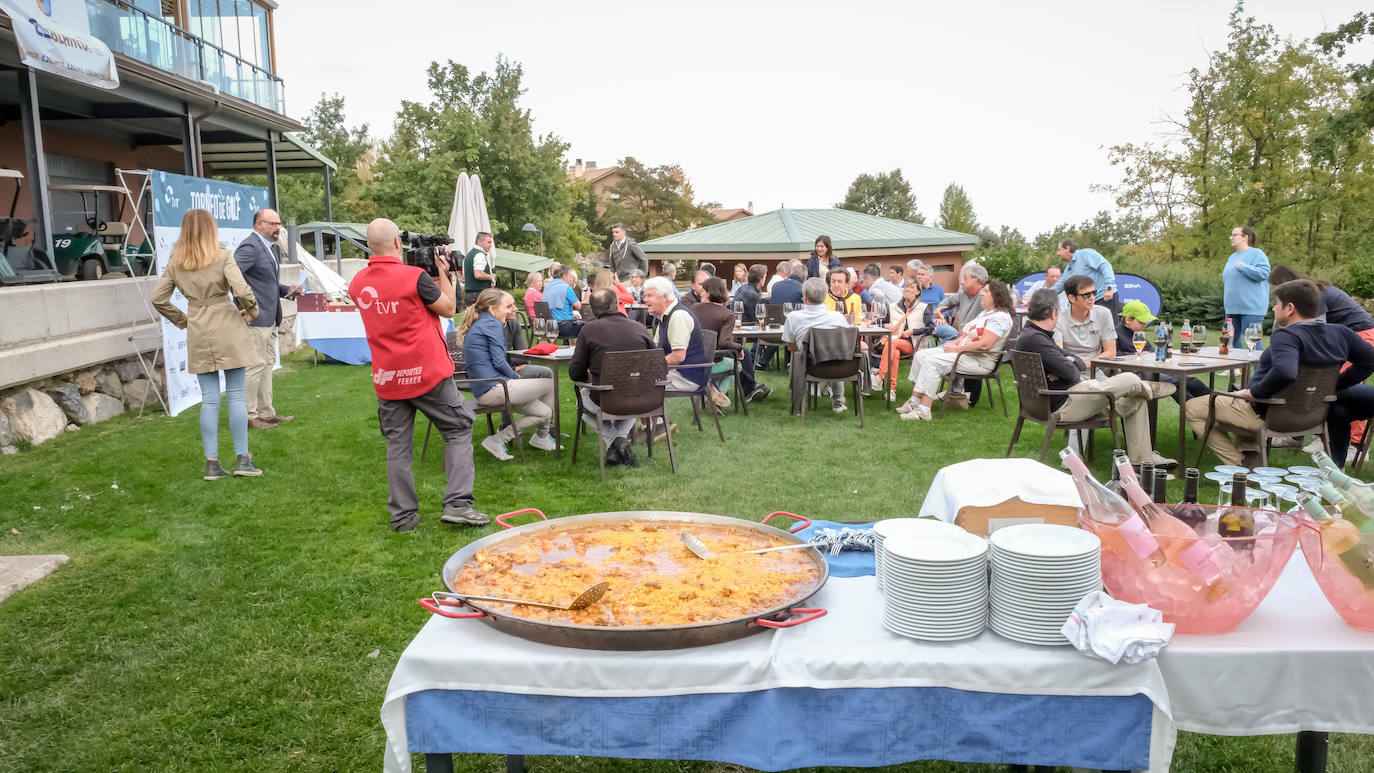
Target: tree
{"points": [[956, 211], [476, 124], [885, 195], [655, 201]]}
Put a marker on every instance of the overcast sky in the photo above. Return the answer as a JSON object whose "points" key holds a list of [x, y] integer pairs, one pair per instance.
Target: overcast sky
{"points": [[786, 102]]}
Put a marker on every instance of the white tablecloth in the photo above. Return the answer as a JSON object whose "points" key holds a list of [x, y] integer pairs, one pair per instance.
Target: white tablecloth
{"points": [[1292, 665], [328, 324], [988, 482], [848, 648]]}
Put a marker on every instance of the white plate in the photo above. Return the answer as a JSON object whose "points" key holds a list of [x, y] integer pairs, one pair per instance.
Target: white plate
{"points": [[930, 636], [937, 607], [938, 548], [938, 623], [893, 527], [1045, 540]]}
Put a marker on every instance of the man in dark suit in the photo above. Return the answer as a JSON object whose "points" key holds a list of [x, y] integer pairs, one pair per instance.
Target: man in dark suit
{"points": [[624, 255], [258, 257], [609, 331]]}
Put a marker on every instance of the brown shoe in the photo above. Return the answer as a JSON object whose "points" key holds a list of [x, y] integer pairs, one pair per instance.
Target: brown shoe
{"points": [[261, 424], [278, 418]]}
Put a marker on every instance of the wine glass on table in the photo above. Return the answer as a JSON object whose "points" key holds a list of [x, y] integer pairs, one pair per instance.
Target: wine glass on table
{"points": [[1253, 333], [761, 314], [1138, 341], [739, 313], [1199, 337], [880, 309], [551, 329]]}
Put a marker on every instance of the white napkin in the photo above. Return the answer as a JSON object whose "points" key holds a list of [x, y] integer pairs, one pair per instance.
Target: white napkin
{"points": [[1116, 631], [988, 482]]}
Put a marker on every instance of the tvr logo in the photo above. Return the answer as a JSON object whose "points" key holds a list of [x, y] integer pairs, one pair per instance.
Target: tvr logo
{"points": [[367, 298]]}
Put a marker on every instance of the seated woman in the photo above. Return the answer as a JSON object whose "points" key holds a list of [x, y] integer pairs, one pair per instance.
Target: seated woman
{"points": [[534, 291], [912, 320], [741, 278], [605, 279], [982, 336], [482, 333]]}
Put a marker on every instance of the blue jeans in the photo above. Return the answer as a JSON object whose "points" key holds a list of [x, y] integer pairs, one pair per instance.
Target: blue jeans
{"points": [[946, 333], [1242, 321], [209, 411]]}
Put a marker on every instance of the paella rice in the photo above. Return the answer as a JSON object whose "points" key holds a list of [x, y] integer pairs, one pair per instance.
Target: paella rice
{"points": [[654, 580]]}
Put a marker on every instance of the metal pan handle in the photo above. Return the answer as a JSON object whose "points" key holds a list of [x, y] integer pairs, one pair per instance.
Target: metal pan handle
{"points": [[505, 525], [434, 605], [802, 521], [807, 615]]}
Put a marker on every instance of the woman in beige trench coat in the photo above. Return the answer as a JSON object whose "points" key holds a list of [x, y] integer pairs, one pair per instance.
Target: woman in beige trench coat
{"points": [[217, 336]]}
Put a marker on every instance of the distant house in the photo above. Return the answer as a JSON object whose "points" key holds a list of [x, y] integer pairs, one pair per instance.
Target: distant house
{"points": [[783, 234], [602, 180], [733, 213]]}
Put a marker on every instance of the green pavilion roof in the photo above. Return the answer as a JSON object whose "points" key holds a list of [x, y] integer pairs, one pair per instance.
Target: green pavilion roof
{"points": [[795, 230]]}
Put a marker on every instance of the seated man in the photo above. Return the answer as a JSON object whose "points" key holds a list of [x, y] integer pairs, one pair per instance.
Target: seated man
{"points": [[1087, 330], [1065, 371], [714, 315], [789, 290], [562, 300], [751, 295], [1052, 277], [815, 314], [1298, 341], [1135, 317], [679, 336], [610, 331], [695, 294], [841, 298], [965, 303], [882, 289]]}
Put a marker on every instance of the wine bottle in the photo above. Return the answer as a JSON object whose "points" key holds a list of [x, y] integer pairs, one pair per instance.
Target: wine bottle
{"points": [[1114, 485], [1130, 540], [1161, 485], [1190, 512], [1361, 494], [1237, 520], [1181, 543], [1341, 539], [1348, 509]]}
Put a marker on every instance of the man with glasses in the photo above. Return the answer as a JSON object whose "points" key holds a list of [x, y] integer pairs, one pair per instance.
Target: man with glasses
{"points": [[258, 257]]}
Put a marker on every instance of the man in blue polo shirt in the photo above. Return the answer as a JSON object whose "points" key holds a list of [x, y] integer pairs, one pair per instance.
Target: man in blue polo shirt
{"points": [[558, 293]]}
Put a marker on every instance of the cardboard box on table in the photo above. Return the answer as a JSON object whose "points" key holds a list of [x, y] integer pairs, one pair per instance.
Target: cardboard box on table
{"points": [[985, 520]]}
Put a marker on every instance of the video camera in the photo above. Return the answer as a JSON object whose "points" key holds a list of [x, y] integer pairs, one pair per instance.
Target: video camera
{"points": [[422, 249]]}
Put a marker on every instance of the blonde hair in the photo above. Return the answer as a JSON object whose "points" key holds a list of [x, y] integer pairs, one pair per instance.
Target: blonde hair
{"points": [[198, 246], [604, 280], [532, 277], [489, 299]]}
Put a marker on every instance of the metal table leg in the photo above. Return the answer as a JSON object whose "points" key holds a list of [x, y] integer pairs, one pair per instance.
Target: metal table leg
{"points": [[1311, 752], [438, 763], [557, 414], [515, 763]]}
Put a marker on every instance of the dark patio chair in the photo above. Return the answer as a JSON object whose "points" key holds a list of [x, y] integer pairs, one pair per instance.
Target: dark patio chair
{"points": [[460, 378], [979, 373], [1297, 410], [632, 386], [699, 396], [1033, 389], [852, 369]]}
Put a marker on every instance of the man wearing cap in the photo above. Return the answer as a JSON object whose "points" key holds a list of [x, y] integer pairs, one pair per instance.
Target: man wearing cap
{"points": [[1135, 317]]}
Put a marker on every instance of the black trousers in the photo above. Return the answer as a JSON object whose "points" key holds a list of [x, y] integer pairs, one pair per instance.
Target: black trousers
{"points": [[1351, 405]]}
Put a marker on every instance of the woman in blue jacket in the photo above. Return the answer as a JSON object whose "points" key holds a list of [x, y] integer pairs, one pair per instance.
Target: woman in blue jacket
{"points": [[1245, 282], [483, 333]]}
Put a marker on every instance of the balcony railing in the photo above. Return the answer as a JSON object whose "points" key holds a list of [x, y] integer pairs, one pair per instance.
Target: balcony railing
{"points": [[150, 39]]}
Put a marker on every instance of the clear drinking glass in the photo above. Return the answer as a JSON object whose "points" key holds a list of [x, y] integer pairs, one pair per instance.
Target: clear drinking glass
{"points": [[1199, 337], [1253, 333], [739, 313], [761, 313], [1138, 341]]}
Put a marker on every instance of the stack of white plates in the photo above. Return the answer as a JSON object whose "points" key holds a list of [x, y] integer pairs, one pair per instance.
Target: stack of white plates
{"points": [[893, 527], [937, 585], [1039, 573]]}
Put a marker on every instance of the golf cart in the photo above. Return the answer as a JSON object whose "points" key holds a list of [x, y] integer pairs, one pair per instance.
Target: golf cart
{"points": [[98, 247], [18, 264]]}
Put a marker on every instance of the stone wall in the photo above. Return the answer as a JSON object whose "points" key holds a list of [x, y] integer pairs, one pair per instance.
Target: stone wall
{"points": [[40, 411]]}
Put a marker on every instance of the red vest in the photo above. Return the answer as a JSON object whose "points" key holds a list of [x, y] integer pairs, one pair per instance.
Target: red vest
{"points": [[409, 356]]}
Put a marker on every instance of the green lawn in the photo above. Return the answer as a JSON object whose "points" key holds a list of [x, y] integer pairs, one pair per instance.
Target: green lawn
{"points": [[229, 625]]}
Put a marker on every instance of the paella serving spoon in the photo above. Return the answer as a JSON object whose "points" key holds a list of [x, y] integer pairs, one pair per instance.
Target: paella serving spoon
{"points": [[584, 599], [699, 549]]}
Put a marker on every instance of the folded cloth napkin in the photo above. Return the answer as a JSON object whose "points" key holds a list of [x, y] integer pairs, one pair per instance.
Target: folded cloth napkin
{"points": [[1116, 631], [988, 482], [545, 348]]}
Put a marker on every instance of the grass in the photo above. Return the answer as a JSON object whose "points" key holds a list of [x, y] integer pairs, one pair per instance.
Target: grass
{"points": [[230, 625]]}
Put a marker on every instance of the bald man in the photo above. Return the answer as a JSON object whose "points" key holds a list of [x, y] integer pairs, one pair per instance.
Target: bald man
{"points": [[260, 261], [401, 307]]}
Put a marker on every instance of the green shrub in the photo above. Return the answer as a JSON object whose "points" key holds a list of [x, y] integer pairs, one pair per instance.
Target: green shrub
{"points": [[1008, 263]]}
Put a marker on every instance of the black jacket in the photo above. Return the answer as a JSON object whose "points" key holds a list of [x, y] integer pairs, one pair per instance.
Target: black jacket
{"points": [[1062, 370]]}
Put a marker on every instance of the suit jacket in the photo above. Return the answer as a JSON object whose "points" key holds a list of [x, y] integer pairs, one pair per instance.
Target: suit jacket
{"points": [[263, 274], [627, 258]]}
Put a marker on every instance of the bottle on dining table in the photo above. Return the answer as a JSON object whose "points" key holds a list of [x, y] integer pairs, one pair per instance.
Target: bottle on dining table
{"points": [[1161, 342], [1342, 539], [1130, 540], [1190, 512], [1185, 338], [1227, 331], [1179, 542]]}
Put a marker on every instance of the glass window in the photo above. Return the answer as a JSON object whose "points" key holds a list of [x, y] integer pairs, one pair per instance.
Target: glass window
{"points": [[264, 49]]}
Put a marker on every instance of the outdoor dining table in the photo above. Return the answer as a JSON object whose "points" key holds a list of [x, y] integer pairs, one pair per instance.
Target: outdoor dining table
{"points": [[1181, 366], [555, 363], [773, 335]]}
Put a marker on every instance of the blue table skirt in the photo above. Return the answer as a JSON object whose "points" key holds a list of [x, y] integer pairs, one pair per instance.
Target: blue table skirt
{"points": [[349, 351], [793, 727]]}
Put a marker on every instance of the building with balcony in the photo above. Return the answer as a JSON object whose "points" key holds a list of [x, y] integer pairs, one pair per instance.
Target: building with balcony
{"points": [[199, 94]]}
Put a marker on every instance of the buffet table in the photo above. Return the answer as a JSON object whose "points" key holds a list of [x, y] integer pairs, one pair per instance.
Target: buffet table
{"points": [[840, 690]]}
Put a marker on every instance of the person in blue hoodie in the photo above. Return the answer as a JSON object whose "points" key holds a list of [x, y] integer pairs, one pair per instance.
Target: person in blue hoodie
{"points": [[1245, 281], [1299, 341]]}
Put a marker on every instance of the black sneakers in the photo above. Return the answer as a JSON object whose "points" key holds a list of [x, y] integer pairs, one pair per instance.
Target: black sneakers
{"points": [[213, 470], [621, 451], [244, 466]]}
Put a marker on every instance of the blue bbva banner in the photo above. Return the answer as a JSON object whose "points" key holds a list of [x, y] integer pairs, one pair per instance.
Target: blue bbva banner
{"points": [[232, 206], [1129, 286]]}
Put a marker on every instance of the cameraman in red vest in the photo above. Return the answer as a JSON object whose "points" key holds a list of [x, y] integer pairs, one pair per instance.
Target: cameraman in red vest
{"points": [[402, 309]]}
